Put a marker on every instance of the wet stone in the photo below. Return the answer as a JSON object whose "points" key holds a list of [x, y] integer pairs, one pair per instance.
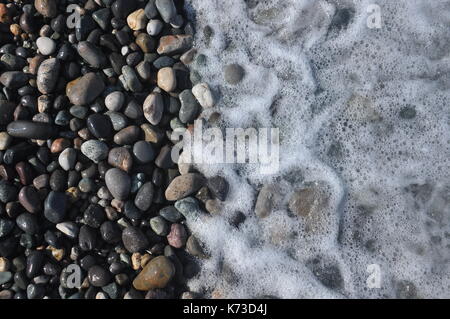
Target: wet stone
{"points": [[55, 207], [134, 239], [156, 274], [118, 183]]}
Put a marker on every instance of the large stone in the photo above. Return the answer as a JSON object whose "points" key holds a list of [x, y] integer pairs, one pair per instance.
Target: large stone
{"points": [[85, 89], [47, 76], [156, 274]]}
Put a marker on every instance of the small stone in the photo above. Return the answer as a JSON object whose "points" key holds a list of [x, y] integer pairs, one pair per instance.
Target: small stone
{"points": [[59, 145], [4, 264], [118, 183], [94, 216], [95, 150], [131, 79], [145, 42], [99, 125], [134, 239], [194, 247], [164, 158], [13, 79], [233, 73], [159, 226], [48, 75], [156, 274], [118, 120], [265, 201], [153, 108], [307, 201], [120, 157], [128, 135], [154, 27], [171, 214], [219, 187], [5, 141], [102, 17], [144, 196], [177, 236], [6, 227], [91, 54], [87, 238], [203, 94], [99, 276], [55, 207], [184, 185], [144, 70], [137, 20], [143, 152], [136, 261], [114, 101], [151, 134], [189, 107], [47, 8], [46, 46], [70, 229], [30, 200], [167, 79], [28, 223], [110, 232], [174, 44], [85, 89], [166, 9], [67, 159]]}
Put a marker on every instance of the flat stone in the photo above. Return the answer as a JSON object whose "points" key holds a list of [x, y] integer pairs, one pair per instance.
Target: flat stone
{"points": [[184, 185], [305, 202], [156, 274], [85, 89], [118, 120], [171, 214], [118, 183], [90, 53], [265, 201], [153, 108], [31, 130]]}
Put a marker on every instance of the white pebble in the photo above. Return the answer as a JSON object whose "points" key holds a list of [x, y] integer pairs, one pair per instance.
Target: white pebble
{"points": [[154, 27], [46, 45], [203, 95]]}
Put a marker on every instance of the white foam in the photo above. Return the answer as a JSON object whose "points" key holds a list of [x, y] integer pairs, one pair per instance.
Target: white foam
{"points": [[300, 78]]}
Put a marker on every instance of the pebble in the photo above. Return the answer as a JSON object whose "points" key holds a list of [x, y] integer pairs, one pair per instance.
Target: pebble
{"points": [[153, 108], [95, 150], [145, 42], [91, 54], [114, 101], [46, 46], [120, 157], [137, 20], [118, 120], [164, 158], [6, 227], [29, 199], [102, 17], [48, 75], [143, 152], [159, 226], [13, 79], [144, 196], [189, 107], [31, 130], [128, 135], [156, 274], [55, 207], [233, 73], [188, 207], [5, 141], [99, 276], [265, 201], [194, 247], [134, 239], [203, 94], [94, 216], [174, 44], [131, 79], [28, 223], [47, 8], [154, 27], [118, 183], [110, 232], [85, 89], [183, 186], [99, 125], [67, 159], [166, 9], [177, 236], [305, 202], [59, 145], [70, 229], [167, 79], [219, 187], [171, 214], [87, 238]]}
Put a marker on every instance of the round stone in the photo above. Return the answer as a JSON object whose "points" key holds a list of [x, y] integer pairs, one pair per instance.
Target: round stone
{"points": [[153, 108], [144, 196], [134, 239], [95, 150], [114, 101], [120, 157], [156, 274], [154, 27], [110, 232], [159, 226], [28, 223], [118, 183], [55, 207], [30, 200], [167, 80], [144, 152], [46, 46], [203, 94], [99, 125], [233, 73], [67, 159], [99, 276], [184, 185]]}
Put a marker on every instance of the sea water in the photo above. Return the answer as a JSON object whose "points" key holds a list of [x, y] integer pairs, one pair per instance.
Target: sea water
{"points": [[359, 91]]}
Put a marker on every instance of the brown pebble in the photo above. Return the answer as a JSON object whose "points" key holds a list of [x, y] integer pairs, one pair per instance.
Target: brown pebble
{"points": [[6, 172], [184, 185], [4, 15], [128, 135], [29, 199], [47, 8], [41, 181], [59, 145], [156, 274], [25, 173], [121, 158], [34, 64]]}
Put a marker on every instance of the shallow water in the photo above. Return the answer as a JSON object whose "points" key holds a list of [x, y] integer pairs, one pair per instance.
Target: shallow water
{"points": [[362, 111]]}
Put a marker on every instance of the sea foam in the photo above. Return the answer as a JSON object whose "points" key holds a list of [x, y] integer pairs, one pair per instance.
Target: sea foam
{"points": [[362, 110]]}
